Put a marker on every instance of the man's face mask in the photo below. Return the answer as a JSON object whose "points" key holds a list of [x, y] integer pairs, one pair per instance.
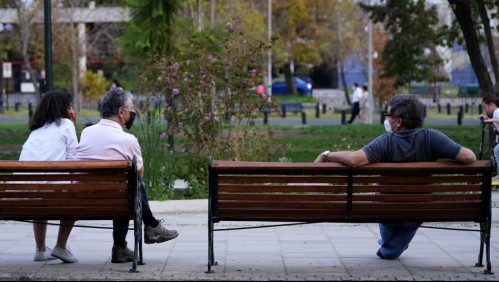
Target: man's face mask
{"points": [[129, 123]]}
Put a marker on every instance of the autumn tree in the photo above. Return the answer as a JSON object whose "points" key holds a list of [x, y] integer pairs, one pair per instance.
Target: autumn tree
{"points": [[413, 31]]}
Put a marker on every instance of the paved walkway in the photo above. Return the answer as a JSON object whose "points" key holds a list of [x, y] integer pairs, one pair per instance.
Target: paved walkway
{"points": [[301, 252]]}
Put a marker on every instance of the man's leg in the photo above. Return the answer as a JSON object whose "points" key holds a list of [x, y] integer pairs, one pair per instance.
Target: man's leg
{"points": [[496, 155], [154, 231], [147, 216], [355, 112], [120, 230], [395, 239], [120, 252]]}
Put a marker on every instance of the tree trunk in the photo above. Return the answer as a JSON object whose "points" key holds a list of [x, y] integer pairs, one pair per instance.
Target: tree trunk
{"points": [[344, 82], [462, 11]]}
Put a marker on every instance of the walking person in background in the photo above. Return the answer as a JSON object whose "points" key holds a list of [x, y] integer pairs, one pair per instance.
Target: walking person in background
{"points": [[490, 106], [52, 138], [405, 141], [364, 104], [357, 95], [107, 140]]}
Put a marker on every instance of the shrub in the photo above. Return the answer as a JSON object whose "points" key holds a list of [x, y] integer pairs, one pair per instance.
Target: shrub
{"points": [[209, 96]]}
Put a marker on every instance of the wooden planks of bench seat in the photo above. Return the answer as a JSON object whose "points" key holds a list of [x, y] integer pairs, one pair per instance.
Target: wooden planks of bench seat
{"points": [[331, 192], [64, 190]]}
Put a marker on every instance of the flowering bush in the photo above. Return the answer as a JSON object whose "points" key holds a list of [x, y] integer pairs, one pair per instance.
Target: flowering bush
{"points": [[210, 97]]}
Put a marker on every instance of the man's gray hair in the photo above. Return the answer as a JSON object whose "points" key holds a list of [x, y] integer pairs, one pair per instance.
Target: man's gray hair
{"points": [[408, 108], [114, 99]]}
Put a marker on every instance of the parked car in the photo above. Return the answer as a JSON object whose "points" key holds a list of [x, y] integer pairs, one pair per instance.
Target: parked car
{"points": [[279, 86]]}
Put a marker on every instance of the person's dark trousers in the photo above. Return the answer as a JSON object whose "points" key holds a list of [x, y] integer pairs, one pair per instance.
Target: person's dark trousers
{"points": [[355, 111], [120, 227]]}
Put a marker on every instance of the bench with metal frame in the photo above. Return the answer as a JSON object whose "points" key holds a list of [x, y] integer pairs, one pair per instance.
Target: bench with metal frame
{"points": [[300, 193], [72, 190]]}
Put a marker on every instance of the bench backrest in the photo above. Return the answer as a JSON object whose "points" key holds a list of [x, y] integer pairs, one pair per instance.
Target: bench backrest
{"points": [[294, 107], [332, 192], [90, 190]]}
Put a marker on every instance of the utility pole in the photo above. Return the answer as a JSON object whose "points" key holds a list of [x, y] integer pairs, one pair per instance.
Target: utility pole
{"points": [[48, 46], [370, 71], [269, 63]]}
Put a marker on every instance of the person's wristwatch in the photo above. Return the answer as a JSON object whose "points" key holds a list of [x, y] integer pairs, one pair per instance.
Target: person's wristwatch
{"points": [[324, 156]]}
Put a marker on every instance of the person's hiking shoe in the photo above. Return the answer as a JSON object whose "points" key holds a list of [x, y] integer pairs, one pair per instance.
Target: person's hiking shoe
{"points": [[121, 255], [158, 234], [64, 254], [43, 255]]}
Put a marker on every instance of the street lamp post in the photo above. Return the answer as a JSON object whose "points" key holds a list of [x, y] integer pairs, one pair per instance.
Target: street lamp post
{"points": [[370, 73], [269, 63], [48, 46]]}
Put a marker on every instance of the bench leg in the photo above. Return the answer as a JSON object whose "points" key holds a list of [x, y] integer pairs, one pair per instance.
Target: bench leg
{"points": [[485, 243], [211, 255], [137, 230]]}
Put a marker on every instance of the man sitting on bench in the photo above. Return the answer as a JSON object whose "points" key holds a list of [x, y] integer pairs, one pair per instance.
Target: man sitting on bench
{"points": [[405, 141]]}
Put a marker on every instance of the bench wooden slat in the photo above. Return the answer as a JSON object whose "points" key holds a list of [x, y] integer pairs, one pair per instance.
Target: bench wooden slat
{"points": [[102, 194], [418, 188], [62, 165], [63, 202], [103, 176], [95, 186], [279, 205], [380, 179], [231, 188], [326, 188], [263, 178]]}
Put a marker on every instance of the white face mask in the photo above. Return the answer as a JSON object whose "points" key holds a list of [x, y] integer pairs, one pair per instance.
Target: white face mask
{"points": [[388, 126]]}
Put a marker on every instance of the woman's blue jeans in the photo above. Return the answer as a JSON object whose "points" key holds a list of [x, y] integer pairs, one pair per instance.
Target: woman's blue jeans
{"points": [[395, 238]]}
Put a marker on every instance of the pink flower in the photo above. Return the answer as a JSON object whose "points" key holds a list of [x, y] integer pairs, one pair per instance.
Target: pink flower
{"points": [[229, 27], [253, 73], [207, 117], [175, 92], [263, 96], [180, 125], [164, 135]]}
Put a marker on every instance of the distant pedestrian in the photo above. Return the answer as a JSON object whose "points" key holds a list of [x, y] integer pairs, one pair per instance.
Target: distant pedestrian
{"points": [[357, 95], [364, 104]]}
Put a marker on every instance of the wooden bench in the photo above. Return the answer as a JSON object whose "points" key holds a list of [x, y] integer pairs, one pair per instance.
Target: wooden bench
{"points": [[332, 192], [72, 190], [293, 107]]}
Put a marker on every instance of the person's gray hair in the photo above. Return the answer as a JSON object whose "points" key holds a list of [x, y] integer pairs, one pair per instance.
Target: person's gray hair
{"points": [[115, 99], [408, 108]]}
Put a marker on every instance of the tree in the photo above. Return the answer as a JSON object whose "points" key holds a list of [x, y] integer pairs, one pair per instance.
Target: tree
{"points": [[27, 19], [383, 87], [472, 17], [149, 30], [293, 25], [412, 29], [339, 27]]}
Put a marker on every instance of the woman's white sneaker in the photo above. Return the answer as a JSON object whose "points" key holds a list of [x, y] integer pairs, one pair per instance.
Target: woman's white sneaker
{"points": [[63, 254]]}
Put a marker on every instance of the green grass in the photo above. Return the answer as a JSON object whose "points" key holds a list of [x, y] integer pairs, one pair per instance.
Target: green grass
{"points": [[304, 141]]}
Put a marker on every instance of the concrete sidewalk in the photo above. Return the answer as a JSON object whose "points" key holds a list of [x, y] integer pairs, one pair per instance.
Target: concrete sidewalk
{"points": [[301, 252]]}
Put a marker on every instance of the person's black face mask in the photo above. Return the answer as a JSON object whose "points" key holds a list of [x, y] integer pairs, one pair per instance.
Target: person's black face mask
{"points": [[129, 122]]}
